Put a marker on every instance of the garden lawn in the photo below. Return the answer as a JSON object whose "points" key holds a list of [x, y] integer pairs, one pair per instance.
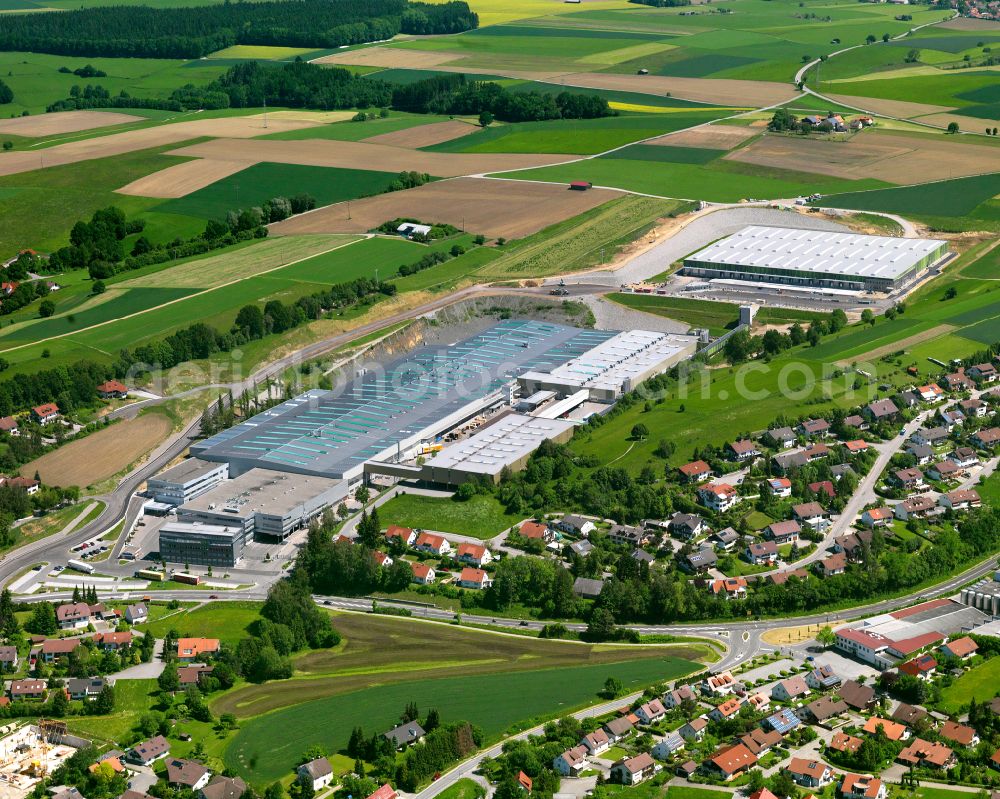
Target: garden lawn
{"points": [[463, 789], [258, 183], [480, 517], [266, 746], [132, 699], [979, 683]]}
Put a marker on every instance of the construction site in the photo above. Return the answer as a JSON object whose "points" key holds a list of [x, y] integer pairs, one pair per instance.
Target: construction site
{"points": [[28, 753]]}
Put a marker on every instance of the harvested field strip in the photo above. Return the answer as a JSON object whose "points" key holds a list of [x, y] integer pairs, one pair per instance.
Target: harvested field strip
{"points": [[492, 207], [741, 93], [707, 136], [102, 454], [390, 57], [258, 183], [901, 344], [64, 122], [182, 179], [890, 108], [219, 270], [348, 154], [140, 139], [424, 135]]}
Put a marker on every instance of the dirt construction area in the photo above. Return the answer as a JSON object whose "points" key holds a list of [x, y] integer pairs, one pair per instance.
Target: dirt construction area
{"points": [[361, 155], [131, 140], [102, 454], [425, 135], [507, 208], [182, 179], [64, 122], [711, 137], [894, 158]]}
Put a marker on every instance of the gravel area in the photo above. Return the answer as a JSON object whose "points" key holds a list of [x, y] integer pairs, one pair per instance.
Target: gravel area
{"points": [[612, 316], [702, 232]]}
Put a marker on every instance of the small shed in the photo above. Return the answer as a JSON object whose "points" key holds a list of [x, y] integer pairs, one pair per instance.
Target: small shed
{"points": [[580, 185], [411, 229]]}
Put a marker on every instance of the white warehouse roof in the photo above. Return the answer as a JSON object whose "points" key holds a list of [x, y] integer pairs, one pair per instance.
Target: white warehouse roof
{"points": [[500, 444], [851, 254]]}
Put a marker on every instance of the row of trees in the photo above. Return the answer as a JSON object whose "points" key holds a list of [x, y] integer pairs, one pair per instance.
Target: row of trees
{"points": [[456, 94], [194, 32]]}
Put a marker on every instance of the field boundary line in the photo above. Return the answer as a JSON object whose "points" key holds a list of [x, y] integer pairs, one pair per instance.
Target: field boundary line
{"points": [[361, 237]]}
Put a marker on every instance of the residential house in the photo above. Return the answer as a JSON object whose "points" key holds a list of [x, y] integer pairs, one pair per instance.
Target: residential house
{"points": [[8, 658], [951, 418], [582, 548], [136, 613], [668, 746], [893, 731], [694, 730], [191, 675], [964, 457], [780, 578], [881, 410], [930, 393], [816, 451], [961, 734], [822, 678], [220, 787], [959, 381], [318, 773], [857, 695], [422, 573], [811, 514], [833, 565], [732, 761], [974, 407], [916, 507], [721, 684], [862, 786], [627, 534], [189, 774], [730, 587], [54, 649], [857, 421], [779, 487], [823, 488], [810, 773], [927, 754], [384, 791], [983, 373], [782, 437], [921, 452], [8, 424], [922, 667], [842, 742], [960, 499], [633, 770], [812, 428], [759, 702], [784, 532], [822, 710], [27, 689], [84, 687], [719, 497], [787, 461], [576, 525], [571, 762], [651, 712], [382, 559], [45, 414], [931, 436], [474, 555], [877, 517], [762, 552], [945, 470], [744, 449], [587, 588], [784, 721], [909, 714], [148, 752], [112, 389], [986, 439], [699, 562], [438, 545], [686, 525], [725, 540], [406, 734], [596, 742], [618, 729], [112, 642], [761, 741], [962, 648], [696, 472], [790, 689], [908, 399], [856, 445], [476, 579], [676, 697], [73, 616], [404, 535], [191, 649], [727, 711], [908, 479]]}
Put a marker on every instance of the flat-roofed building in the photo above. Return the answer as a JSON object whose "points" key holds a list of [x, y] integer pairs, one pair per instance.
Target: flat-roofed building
{"points": [[202, 544], [264, 502], [816, 259], [185, 481]]}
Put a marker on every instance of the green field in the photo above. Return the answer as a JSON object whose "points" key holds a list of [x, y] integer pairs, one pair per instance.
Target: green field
{"points": [[266, 745], [946, 198], [260, 182], [480, 517], [227, 621], [356, 131], [979, 683]]}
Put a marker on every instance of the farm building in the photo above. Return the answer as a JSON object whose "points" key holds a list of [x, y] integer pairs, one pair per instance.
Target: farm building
{"points": [[816, 259]]}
